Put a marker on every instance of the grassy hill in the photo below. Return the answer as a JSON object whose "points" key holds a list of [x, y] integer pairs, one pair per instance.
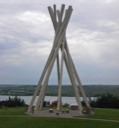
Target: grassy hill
{"points": [[91, 90]]}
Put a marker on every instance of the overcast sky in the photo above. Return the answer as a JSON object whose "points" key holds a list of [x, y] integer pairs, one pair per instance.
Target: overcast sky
{"points": [[26, 39]]}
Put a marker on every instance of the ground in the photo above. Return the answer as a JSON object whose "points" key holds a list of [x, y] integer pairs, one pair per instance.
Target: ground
{"points": [[15, 118]]}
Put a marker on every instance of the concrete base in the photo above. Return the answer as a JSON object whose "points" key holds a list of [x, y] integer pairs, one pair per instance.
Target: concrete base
{"points": [[55, 113]]}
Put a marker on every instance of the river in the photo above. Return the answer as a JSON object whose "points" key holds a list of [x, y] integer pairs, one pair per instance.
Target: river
{"points": [[69, 100]]}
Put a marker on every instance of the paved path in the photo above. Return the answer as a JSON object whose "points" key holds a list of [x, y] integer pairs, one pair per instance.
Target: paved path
{"points": [[99, 119]]}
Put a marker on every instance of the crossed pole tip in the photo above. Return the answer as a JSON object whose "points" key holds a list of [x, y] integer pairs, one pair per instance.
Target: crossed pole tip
{"points": [[62, 6]]}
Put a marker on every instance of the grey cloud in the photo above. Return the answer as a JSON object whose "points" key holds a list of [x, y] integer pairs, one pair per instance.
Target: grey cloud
{"points": [[25, 45]]}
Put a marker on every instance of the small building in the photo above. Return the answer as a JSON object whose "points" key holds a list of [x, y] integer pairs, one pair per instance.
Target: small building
{"points": [[74, 107]]}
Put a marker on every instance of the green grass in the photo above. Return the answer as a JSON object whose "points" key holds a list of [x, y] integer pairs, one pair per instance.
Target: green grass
{"points": [[12, 111], [110, 114], [15, 118], [37, 122]]}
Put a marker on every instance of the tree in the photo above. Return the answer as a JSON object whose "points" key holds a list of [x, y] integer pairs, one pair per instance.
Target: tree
{"points": [[106, 101], [13, 102]]}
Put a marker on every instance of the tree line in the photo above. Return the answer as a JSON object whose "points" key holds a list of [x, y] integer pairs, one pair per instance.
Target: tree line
{"points": [[106, 101], [12, 102]]}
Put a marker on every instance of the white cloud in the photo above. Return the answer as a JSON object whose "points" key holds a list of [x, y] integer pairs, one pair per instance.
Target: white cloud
{"points": [[95, 47], [34, 17], [109, 1]]}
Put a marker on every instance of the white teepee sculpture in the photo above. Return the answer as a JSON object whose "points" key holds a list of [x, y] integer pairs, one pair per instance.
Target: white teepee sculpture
{"points": [[60, 19]]}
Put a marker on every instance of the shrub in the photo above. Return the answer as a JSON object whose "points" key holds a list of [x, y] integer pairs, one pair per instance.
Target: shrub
{"points": [[66, 105], [12, 102], [106, 101]]}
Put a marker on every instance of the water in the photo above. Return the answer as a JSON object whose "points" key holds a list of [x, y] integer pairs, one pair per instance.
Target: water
{"points": [[27, 99]]}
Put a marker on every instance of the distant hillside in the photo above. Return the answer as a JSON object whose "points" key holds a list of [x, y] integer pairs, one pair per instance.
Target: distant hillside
{"points": [[91, 90]]}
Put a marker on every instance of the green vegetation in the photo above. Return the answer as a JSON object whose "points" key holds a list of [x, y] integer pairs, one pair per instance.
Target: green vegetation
{"points": [[109, 114], [12, 102], [15, 118], [106, 101], [36, 122], [12, 111], [91, 90]]}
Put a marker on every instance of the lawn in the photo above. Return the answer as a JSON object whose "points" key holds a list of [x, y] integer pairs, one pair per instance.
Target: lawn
{"points": [[109, 114], [36, 122], [15, 118], [12, 111]]}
